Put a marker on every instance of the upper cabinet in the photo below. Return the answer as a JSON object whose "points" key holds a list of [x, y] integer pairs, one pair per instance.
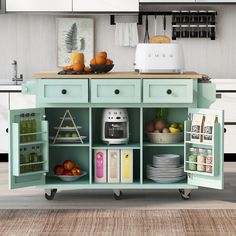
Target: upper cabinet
{"points": [[105, 5], [38, 5], [165, 1]]}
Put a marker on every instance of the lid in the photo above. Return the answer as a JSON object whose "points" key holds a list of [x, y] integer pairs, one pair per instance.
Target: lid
{"points": [[211, 11], [201, 26], [202, 11], [184, 11], [193, 26], [175, 11], [176, 26], [211, 26], [184, 26], [209, 151], [193, 11], [192, 149]]}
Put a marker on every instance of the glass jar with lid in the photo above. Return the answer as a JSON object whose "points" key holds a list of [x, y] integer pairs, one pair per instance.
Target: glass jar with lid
{"points": [[211, 31], [203, 16], [209, 161], [193, 17], [185, 17], [176, 17], [211, 16], [194, 31], [184, 31], [201, 160], [203, 31], [176, 31], [192, 158]]}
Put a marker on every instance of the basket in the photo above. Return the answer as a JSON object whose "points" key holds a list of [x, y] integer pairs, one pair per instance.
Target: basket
{"points": [[165, 137]]}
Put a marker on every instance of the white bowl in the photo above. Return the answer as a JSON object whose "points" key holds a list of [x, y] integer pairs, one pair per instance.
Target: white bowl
{"points": [[168, 138], [70, 178]]}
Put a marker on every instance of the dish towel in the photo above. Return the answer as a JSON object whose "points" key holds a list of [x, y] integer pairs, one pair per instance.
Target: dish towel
{"points": [[126, 34]]}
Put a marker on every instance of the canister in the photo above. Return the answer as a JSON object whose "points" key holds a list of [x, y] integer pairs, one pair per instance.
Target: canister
{"points": [[209, 161], [192, 158], [201, 160]]}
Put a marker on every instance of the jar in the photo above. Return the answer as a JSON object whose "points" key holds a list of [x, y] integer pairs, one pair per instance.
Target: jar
{"points": [[176, 31], [184, 17], [193, 18], [201, 160], [192, 158], [211, 16], [194, 31], [176, 17], [203, 16], [212, 31], [203, 31], [184, 31], [209, 161]]}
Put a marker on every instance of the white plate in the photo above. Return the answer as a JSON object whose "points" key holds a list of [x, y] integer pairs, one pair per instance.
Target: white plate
{"points": [[168, 180], [68, 139], [69, 178], [72, 128]]}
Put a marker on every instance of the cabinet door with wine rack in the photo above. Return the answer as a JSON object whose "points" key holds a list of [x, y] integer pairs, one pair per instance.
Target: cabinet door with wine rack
{"points": [[204, 154], [28, 149]]}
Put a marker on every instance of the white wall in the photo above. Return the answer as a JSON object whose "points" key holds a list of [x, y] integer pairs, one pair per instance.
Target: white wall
{"points": [[31, 40]]}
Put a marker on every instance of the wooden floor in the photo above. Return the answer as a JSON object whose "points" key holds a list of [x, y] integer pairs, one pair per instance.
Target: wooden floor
{"points": [[31, 198]]}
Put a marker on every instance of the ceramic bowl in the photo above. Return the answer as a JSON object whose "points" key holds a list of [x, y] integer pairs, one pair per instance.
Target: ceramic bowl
{"points": [[101, 69], [69, 178]]}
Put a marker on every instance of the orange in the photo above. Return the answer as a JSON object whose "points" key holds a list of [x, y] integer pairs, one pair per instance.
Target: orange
{"points": [[100, 61], [109, 62], [102, 54], [87, 69], [78, 67], [93, 61]]}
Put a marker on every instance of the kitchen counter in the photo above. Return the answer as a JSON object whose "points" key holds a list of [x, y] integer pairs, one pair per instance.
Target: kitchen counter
{"points": [[125, 75]]}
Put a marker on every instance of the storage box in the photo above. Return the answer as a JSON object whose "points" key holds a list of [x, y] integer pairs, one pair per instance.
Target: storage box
{"points": [[113, 166], [100, 166], [126, 166]]}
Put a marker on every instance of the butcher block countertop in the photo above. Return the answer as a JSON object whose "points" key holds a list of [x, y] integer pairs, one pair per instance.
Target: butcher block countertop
{"points": [[125, 75]]}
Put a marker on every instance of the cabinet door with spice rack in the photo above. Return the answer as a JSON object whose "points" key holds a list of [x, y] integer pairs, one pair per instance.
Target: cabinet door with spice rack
{"points": [[28, 151], [204, 154]]}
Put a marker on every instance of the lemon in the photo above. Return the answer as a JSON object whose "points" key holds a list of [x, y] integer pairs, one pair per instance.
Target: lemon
{"points": [[174, 130]]}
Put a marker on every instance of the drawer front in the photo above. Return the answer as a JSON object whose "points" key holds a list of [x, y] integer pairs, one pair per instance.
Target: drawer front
{"points": [[168, 91], [116, 90], [229, 139], [63, 91]]}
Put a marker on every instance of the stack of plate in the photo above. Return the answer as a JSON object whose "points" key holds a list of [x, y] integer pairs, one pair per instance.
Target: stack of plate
{"points": [[166, 168]]}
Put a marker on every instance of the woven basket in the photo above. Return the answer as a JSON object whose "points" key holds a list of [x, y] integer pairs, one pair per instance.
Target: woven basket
{"points": [[165, 137]]}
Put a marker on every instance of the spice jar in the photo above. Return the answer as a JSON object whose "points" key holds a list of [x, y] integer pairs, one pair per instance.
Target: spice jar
{"points": [[203, 31], [184, 17], [193, 18], [184, 31], [176, 31], [192, 158], [201, 160], [211, 16], [176, 17], [194, 31], [203, 16], [209, 161], [212, 31]]}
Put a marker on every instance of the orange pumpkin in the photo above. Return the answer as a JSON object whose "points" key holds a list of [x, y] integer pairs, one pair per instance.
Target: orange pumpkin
{"points": [[78, 67], [67, 68], [102, 54], [93, 61], [109, 62], [87, 69], [100, 61]]}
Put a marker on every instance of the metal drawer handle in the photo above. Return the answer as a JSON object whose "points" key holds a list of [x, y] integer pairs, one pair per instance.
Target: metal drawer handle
{"points": [[6, 130], [225, 130], [63, 91], [169, 91], [117, 91]]}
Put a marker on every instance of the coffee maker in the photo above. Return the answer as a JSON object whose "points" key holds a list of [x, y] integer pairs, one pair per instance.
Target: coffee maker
{"points": [[115, 126]]}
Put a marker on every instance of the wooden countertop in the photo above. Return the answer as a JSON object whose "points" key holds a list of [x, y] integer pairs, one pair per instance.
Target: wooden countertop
{"points": [[125, 75]]}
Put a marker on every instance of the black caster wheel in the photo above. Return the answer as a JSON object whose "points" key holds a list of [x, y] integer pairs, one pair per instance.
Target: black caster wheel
{"points": [[181, 191], [185, 197], [118, 197], [52, 195]]}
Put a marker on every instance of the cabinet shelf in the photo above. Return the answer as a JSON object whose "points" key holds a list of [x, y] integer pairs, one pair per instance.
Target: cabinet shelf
{"points": [[147, 144], [199, 172], [204, 164], [69, 145], [27, 134], [200, 144], [32, 143], [32, 163], [116, 146], [33, 173]]}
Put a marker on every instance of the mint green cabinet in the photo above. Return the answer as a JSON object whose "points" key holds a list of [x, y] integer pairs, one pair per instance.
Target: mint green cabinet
{"points": [[86, 100], [116, 91]]}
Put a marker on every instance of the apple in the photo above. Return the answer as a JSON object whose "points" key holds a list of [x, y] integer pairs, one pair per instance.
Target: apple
{"points": [[68, 164], [77, 165], [165, 130], [160, 125], [75, 171], [150, 127], [67, 172], [58, 169]]}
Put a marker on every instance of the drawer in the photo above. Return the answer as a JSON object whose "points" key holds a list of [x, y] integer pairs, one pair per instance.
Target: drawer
{"points": [[229, 139], [167, 90], [116, 90], [63, 91]]}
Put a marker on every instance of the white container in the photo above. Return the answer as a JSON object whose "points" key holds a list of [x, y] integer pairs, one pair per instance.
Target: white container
{"points": [[113, 158], [100, 166], [126, 166]]}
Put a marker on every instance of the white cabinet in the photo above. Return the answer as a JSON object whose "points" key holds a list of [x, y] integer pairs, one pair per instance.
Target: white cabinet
{"points": [[21, 101], [4, 107], [106, 5], [38, 5], [165, 1]]}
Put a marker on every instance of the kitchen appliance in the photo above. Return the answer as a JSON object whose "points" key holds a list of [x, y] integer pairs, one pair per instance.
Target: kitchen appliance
{"points": [[159, 58], [115, 126]]}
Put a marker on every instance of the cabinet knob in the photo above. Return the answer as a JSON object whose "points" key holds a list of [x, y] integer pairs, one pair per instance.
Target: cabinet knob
{"points": [[225, 130], [169, 91], [6, 130], [117, 91], [63, 91]]}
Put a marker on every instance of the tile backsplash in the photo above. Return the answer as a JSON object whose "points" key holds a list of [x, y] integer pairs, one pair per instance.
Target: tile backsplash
{"points": [[31, 40]]}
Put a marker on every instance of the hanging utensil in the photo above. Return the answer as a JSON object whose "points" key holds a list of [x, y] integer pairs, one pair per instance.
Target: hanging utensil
{"points": [[164, 24], [146, 37], [155, 25]]}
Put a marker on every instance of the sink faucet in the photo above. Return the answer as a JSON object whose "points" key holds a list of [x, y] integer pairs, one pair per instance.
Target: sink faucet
{"points": [[15, 78]]}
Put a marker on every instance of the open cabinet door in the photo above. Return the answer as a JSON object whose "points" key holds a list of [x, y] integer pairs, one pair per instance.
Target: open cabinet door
{"points": [[28, 151], [212, 173]]}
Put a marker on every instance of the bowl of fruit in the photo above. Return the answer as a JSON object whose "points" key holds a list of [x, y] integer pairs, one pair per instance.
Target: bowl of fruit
{"points": [[69, 171], [161, 131]]}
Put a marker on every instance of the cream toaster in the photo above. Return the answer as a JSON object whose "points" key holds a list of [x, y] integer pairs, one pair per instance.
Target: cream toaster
{"points": [[159, 58]]}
